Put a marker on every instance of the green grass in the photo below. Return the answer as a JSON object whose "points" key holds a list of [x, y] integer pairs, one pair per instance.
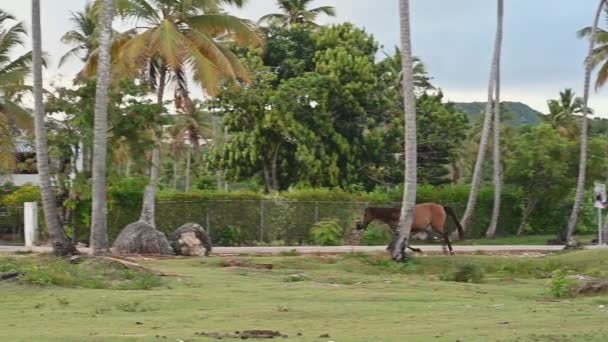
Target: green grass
{"points": [[353, 298], [519, 240]]}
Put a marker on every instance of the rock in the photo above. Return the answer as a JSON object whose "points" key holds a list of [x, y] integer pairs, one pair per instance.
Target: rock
{"points": [[190, 239], [141, 238]]}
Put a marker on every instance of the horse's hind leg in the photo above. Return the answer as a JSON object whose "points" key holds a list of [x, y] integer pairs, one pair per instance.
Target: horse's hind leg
{"points": [[446, 240]]}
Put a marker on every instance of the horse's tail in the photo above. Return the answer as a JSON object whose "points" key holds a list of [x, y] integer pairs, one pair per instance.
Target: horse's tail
{"points": [[451, 212]]}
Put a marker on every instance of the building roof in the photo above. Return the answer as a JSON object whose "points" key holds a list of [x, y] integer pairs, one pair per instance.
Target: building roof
{"points": [[24, 147]]}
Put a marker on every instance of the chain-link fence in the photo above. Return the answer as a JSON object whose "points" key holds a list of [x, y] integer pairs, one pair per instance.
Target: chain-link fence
{"points": [[11, 225], [250, 222]]}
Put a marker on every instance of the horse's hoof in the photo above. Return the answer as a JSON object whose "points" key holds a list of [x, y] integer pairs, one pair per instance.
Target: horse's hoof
{"points": [[452, 253]]}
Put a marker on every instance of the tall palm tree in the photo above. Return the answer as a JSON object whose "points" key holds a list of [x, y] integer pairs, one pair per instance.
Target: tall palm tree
{"points": [[84, 37], [562, 113], [296, 12], [485, 132], [100, 243], [191, 125], [13, 73], [580, 185], [599, 55], [61, 244], [406, 217], [174, 36], [497, 127]]}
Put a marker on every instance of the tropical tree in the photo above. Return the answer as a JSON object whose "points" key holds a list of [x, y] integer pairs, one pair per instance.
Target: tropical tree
{"points": [[173, 37], [297, 12], [563, 111], [582, 169], [485, 132], [599, 55], [99, 230], [406, 217], [61, 244], [84, 37], [13, 73], [497, 127]]}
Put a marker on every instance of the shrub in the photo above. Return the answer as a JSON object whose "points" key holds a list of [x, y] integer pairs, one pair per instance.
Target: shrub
{"points": [[327, 233], [560, 285], [467, 273], [229, 236], [376, 235]]}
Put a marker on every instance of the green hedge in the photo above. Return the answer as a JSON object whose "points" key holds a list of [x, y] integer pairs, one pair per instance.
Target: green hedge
{"points": [[288, 217]]}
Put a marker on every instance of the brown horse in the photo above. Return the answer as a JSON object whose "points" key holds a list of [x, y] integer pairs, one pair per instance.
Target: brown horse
{"points": [[426, 215]]}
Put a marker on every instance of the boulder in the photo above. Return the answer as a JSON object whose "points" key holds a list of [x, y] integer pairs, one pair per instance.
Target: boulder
{"points": [[191, 239], [141, 238]]}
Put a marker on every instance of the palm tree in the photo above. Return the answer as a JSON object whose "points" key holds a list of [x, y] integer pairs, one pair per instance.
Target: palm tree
{"points": [[562, 113], [13, 73], [176, 36], [296, 12], [100, 243], [191, 125], [491, 232], [409, 101], [485, 132], [599, 55], [580, 185], [84, 37], [61, 244]]}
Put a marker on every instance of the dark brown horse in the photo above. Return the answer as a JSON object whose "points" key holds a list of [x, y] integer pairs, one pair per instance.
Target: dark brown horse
{"points": [[426, 216]]}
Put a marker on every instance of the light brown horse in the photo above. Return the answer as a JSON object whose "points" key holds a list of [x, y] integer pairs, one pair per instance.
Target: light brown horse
{"points": [[426, 216]]}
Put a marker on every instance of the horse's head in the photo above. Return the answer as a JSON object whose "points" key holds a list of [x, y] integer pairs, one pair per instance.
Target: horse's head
{"points": [[367, 218]]}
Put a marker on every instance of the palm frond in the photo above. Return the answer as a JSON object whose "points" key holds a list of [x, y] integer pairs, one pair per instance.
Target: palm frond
{"points": [[327, 10], [242, 31]]}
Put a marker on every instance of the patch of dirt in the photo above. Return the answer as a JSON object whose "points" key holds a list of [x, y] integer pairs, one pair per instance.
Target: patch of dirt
{"points": [[244, 335], [245, 264]]}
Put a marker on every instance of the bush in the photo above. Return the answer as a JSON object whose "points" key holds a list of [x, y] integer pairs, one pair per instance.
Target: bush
{"points": [[467, 273], [376, 235], [327, 233], [561, 286], [228, 236]]}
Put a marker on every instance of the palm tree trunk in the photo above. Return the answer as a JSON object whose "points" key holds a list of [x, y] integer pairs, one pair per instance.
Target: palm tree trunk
{"points": [[100, 243], [491, 232], [485, 132], [274, 169], [148, 212], [409, 102], [188, 162], [582, 166], [526, 215], [174, 174], [61, 244]]}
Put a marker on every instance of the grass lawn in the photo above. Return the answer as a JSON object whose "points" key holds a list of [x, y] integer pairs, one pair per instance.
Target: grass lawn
{"points": [[520, 240], [351, 298]]}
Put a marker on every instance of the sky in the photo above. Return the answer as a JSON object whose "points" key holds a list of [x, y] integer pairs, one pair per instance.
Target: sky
{"points": [[541, 53]]}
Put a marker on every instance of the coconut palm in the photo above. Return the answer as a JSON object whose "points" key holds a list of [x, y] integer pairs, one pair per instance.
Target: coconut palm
{"points": [[99, 230], [84, 37], [580, 185], [485, 132], [563, 111], [599, 56], [296, 12], [191, 125], [176, 36], [61, 244], [409, 101], [13, 73], [497, 127]]}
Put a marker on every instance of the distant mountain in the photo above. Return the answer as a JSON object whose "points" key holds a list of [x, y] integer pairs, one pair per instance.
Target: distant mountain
{"points": [[518, 114]]}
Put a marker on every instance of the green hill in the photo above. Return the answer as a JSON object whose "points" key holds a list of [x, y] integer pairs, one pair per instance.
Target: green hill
{"points": [[518, 113]]}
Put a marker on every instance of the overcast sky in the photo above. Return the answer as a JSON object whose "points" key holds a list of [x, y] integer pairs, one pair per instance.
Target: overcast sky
{"points": [[541, 54]]}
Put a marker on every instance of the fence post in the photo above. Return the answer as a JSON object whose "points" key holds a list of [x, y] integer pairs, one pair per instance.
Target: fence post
{"points": [[261, 220], [207, 222], [30, 223], [316, 212]]}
